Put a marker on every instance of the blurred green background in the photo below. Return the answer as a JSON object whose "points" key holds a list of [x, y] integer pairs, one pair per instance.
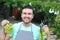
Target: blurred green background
{"points": [[44, 9]]}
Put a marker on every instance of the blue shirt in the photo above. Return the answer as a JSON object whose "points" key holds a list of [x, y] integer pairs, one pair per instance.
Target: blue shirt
{"points": [[35, 29]]}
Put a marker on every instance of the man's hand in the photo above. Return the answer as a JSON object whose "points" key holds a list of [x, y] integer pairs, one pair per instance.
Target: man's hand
{"points": [[4, 22], [45, 28]]}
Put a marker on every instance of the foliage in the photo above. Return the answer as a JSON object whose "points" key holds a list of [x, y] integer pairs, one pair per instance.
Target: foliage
{"points": [[44, 7], [57, 25]]}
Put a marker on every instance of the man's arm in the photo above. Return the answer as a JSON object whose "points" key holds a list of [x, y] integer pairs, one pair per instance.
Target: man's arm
{"points": [[48, 35], [2, 35], [3, 23], [7, 37]]}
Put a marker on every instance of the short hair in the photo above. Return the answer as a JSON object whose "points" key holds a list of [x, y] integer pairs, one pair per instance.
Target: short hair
{"points": [[28, 6]]}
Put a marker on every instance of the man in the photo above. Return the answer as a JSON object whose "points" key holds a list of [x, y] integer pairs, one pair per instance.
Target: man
{"points": [[24, 30]]}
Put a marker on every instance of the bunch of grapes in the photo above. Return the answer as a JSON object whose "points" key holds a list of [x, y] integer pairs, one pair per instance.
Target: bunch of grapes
{"points": [[42, 35], [8, 28]]}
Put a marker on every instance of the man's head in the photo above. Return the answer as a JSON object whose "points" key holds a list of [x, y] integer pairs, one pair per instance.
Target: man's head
{"points": [[27, 14]]}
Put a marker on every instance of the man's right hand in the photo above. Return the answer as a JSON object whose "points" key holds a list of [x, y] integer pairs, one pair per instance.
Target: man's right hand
{"points": [[4, 22]]}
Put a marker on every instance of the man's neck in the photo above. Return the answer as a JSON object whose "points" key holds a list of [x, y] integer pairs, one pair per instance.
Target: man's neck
{"points": [[26, 24]]}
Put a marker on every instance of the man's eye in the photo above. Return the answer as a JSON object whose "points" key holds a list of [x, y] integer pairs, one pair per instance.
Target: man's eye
{"points": [[24, 13], [29, 13]]}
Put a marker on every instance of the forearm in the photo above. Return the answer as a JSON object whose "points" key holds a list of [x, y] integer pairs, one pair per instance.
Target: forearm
{"points": [[2, 35], [48, 36], [7, 37]]}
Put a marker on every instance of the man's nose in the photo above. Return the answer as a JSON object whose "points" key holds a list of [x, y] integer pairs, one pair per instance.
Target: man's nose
{"points": [[27, 15]]}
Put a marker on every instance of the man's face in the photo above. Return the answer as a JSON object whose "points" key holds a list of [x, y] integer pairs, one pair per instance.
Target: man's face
{"points": [[27, 15]]}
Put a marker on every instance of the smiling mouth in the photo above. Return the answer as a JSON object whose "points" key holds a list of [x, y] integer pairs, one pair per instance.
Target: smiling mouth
{"points": [[26, 18]]}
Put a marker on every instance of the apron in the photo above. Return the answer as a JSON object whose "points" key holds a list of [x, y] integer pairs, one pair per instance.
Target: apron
{"points": [[24, 35]]}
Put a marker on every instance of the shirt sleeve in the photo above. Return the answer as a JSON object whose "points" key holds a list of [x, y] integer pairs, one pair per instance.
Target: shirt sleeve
{"points": [[15, 30], [36, 33]]}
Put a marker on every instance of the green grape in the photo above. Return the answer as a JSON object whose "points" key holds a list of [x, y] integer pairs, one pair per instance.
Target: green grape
{"points": [[8, 28], [42, 35]]}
